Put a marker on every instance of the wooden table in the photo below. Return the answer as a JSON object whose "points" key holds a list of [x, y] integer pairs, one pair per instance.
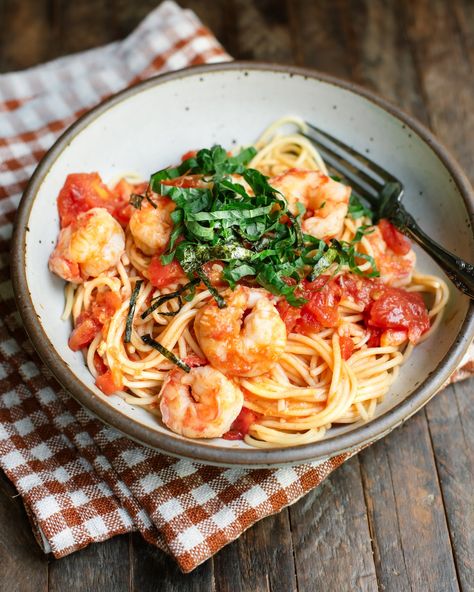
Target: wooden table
{"points": [[400, 516]]}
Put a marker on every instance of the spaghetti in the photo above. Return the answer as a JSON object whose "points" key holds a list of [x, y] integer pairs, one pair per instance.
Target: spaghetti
{"points": [[299, 355]]}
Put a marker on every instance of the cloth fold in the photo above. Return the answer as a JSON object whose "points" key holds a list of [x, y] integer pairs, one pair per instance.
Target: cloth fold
{"points": [[81, 481]]}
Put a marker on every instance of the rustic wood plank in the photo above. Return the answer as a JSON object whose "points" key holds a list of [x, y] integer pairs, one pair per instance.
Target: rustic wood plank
{"points": [[261, 560], [383, 520], [82, 25], [152, 570], [331, 536], [322, 39], [420, 516], [446, 74], [464, 15], [451, 422], [102, 566], [24, 567], [30, 22]]}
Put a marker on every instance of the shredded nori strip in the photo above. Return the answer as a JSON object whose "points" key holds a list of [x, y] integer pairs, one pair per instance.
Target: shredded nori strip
{"points": [[136, 200], [162, 299], [131, 311], [148, 339], [214, 293]]}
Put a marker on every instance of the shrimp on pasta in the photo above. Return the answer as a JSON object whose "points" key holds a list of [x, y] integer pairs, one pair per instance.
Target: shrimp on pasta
{"points": [[243, 295]]}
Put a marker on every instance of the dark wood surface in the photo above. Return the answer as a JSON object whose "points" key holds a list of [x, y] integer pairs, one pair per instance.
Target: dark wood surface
{"points": [[400, 516]]}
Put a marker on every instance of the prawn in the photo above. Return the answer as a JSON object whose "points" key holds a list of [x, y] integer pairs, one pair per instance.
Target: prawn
{"points": [[90, 245], [326, 201], [395, 270], [151, 227], [246, 337], [200, 404]]}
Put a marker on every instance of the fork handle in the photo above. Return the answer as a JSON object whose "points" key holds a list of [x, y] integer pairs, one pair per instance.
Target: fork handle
{"points": [[460, 272]]}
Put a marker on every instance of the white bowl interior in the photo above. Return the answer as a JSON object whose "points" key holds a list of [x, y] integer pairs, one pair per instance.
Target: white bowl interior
{"points": [[154, 127]]}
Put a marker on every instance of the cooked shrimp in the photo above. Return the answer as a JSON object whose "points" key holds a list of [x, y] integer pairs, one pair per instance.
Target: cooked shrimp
{"points": [[395, 270], [93, 243], [151, 227], [326, 201], [200, 404], [244, 339]]}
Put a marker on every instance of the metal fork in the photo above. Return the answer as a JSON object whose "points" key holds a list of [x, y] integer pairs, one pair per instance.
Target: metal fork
{"points": [[384, 193]]}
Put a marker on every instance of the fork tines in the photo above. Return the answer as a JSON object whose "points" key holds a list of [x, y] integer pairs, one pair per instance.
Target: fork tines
{"points": [[365, 176]]}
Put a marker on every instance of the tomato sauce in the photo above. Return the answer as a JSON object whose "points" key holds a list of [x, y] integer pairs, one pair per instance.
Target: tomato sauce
{"points": [[162, 275], [241, 425], [390, 313]]}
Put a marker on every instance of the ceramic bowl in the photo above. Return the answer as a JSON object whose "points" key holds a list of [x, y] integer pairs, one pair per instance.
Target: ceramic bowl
{"points": [[149, 126]]}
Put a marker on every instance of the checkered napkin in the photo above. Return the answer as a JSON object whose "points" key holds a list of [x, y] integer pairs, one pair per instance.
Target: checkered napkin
{"points": [[83, 482]]}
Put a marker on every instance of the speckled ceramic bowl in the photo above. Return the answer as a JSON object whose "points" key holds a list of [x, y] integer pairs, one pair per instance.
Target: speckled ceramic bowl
{"points": [[148, 127]]}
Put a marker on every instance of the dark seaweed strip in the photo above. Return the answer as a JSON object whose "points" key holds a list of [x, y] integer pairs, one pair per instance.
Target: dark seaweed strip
{"points": [[162, 299], [148, 339], [214, 293], [131, 311]]}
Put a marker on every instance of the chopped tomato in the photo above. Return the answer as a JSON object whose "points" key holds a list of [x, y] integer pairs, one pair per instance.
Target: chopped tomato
{"points": [[289, 314], [84, 332], [374, 337], [107, 384], [90, 322], [321, 310], [162, 275], [105, 305], [122, 191], [399, 309], [81, 192], [395, 240], [358, 287], [189, 154], [99, 364], [347, 347], [241, 425]]}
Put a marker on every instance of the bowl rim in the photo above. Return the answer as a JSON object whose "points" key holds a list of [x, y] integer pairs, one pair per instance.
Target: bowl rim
{"points": [[168, 443]]}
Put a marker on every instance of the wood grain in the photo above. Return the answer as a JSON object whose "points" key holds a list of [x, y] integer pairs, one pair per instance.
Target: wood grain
{"points": [[261, 560], [152, 570], [331, 535], [104, 566], [24, 568], [451, 422]]}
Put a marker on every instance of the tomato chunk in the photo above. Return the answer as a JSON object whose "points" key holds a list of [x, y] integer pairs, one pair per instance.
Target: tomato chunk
{"points": [[122, 191], [400, 310], [106, 383], [395, 240], [162, 275], [347, 347], [189, 154], [289, 314], [241, 425], [90, 322], [81, 192], [358, 287], [86, 329], [105, 305]]}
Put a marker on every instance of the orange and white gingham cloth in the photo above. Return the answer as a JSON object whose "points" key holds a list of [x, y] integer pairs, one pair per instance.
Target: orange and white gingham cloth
{"points": [[83, 482]]}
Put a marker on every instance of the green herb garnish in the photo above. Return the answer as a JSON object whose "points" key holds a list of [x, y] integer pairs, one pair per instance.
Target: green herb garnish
{"points": [[148, 339], [251, 231], [357, 209], [131, 311]]}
